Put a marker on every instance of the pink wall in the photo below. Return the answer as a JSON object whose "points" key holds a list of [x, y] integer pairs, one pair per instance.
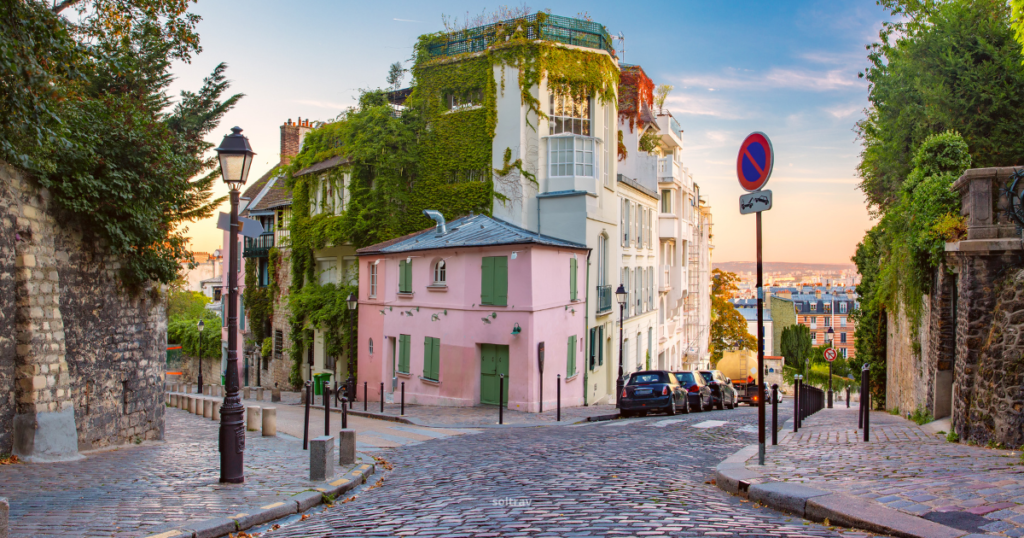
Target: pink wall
{"points": [[538, 294]]}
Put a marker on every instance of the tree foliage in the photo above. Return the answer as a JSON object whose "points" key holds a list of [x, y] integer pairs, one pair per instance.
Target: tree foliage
{"points": [[728, 326], [185, 304], [940, 65], [795, 345], [195, 343], [85, 108]]}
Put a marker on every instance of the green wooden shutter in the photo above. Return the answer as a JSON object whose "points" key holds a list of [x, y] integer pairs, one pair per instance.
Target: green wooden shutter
{"points": [[428, 349], [487, 281], [404, 341], [572, 279], [435, 359], [571, 357], [223, 310], [403, 277], [501, 281], [241, 312], [408, 277]]}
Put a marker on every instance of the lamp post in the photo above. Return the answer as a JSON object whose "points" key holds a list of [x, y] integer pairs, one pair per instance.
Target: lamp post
{"points": [[620, 296], [353, 303], [200, 326], [830, 335], [235, 156]]}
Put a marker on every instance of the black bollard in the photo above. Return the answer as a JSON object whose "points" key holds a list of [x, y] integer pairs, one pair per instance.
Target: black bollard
{"points": [[365, 394], [558, 399], [403, 398], [796, 404], [327, 409], [860, 410], [867, 403], [350, 389], [382, 398], [775, 414], [847, 396], [337, 394], [501, 392], [305, 427], [344, 414]]}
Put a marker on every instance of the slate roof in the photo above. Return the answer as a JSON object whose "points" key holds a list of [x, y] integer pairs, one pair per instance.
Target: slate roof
{"points": [[325, 164], [647, 116], [469, 231], [276, 195], [751, 313]]}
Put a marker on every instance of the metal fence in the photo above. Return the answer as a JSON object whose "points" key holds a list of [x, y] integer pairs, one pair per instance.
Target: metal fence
{"points": [[554, 28]]}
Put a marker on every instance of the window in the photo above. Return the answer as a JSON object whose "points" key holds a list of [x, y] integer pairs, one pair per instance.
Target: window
{"points": [[650, 229], [571, 156], [431, 358], [494, 281], [844, 350], [278, 343], [404, 276], [650, 285], [602, 260], [650, 339], [572, 279], [403, 353], [639, 216], [263, 272], [842, 307], [570, 359], [625, 284], [666, 200], [326, 270], [814, 339], [638, 296], [639, 348], [350, 271], [842, 322], [842, 338], [625, 222], [814, 307], [373, 279], [568, 115], [439, 273], [827, 320], [463, 101]]}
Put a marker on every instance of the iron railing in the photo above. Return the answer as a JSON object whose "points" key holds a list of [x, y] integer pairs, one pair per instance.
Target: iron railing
{"points": [[604, 298], [258, 247], [553, 28]]}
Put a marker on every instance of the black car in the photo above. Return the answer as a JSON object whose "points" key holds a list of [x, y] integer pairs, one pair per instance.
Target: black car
{"points": [[653, 390], [698, 392], [722, 393]]}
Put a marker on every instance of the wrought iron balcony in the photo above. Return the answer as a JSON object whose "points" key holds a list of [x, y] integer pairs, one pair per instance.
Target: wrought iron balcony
{"points": [[604, 299], [258, 247]]}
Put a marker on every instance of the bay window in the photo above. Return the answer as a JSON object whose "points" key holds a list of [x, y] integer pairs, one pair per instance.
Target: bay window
{"points": [[571, 156]]}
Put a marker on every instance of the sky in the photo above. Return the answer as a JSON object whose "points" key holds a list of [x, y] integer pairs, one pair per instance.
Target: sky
{"points": [[788, 69]]}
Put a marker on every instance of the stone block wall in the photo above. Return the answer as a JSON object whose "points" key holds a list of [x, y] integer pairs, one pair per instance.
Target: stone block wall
{"points": [[81, 361], [280, 364]]}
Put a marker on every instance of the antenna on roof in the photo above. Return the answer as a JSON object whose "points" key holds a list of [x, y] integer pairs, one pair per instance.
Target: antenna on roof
{"points": [[622, 47]]}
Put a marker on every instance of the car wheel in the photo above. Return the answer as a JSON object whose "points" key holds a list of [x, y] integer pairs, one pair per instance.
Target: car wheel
{"points": [[671, 411], [699, 407], [625, 414], [642, 413], [721, 403], [686, 406], [711, 404], [734, 404]]}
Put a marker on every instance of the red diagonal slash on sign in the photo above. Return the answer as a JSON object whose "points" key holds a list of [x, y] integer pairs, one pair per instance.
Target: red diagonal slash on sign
{"points": [[746, 152]]}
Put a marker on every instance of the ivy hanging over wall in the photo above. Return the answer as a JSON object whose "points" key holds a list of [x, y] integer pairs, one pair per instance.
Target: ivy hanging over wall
{"points": [[635, 90]]}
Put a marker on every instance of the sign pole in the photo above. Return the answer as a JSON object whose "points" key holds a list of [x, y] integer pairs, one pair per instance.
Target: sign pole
{"points": [[760, 350]]}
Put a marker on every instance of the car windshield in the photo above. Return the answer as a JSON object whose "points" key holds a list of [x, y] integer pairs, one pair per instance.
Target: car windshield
{"points": [[685, 378], [707, 376], [647, 377]]}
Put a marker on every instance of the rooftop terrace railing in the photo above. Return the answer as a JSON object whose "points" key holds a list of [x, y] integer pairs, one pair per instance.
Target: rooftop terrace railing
{"points": [[553, 28]]}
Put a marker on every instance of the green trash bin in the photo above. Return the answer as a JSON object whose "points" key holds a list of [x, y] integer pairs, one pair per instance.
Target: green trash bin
{"points": [[318, 382]]}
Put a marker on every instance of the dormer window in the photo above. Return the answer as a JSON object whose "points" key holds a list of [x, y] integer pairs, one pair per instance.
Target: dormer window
{"points": [[814, 307]]}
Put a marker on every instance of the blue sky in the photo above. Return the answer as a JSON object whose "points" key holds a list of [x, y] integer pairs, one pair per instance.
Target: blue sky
{"points": [[788, 69]]}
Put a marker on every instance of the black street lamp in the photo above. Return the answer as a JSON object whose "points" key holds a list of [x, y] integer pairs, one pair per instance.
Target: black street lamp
{"points": [[352, 301], [235, 156], [620, 296], [200, 326]]}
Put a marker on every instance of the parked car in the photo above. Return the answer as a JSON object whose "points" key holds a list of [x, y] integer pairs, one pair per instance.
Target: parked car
{"points": [[652, 390], [722, 393], [698, 392]]}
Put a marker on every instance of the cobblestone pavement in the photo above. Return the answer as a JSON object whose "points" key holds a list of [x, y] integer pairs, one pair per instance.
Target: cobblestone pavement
{"points": [[904, 467], [124, 491], [635, 477], [482, 415]]}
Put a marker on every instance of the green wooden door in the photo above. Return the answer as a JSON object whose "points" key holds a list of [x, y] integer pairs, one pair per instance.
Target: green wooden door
{"points": [[493, 361]]}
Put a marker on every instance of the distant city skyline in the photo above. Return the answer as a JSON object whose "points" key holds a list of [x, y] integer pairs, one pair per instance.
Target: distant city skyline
{"points": [[787, 69]]}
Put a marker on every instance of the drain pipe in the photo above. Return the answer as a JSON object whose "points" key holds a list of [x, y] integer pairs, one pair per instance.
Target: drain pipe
{"points": [[438, 218]]}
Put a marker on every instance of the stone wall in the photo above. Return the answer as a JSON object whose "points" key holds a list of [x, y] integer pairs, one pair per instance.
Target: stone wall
{"points": [[280, 364], [81, 361]]}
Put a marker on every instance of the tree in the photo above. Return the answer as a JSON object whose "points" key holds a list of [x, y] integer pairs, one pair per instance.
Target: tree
{"points": [[395, 75], [796, 347], [728, 326], [942, 65], [660, 94], [185, 331], [185, 304]]}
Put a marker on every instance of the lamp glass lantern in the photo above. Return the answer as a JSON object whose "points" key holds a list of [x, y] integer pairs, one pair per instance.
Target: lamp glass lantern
{"points": [[830, 334], [620, 294], [235, 155], [352, 301]]}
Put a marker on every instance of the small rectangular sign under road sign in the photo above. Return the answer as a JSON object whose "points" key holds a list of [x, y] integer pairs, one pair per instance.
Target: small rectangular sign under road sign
{"points": [[755, 202]]}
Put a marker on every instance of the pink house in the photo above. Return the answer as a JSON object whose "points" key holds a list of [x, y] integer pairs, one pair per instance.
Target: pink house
{"points": [[449, 310]]}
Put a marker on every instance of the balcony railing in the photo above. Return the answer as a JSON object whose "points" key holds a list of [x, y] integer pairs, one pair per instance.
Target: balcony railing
{"points": [[258, 247], [552, 28], [604, 298]]}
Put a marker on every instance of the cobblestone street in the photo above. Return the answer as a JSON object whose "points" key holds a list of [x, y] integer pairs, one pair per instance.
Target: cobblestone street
{"points": [[972, 488], [642, 477]]}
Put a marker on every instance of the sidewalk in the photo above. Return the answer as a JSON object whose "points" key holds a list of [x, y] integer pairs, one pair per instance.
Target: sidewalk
{"points": [[133, 490], [903, 468]]}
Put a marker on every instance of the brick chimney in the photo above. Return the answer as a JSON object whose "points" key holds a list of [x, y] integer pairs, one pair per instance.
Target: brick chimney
{"points": [[292, 134]]}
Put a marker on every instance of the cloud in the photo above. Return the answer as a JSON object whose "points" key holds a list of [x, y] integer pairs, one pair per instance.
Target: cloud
{"points": [[778, 77], [405, 20], [844, 111], [701, 105]]}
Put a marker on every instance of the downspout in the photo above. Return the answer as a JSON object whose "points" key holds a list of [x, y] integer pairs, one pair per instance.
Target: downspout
{"points": [[586, 332]]}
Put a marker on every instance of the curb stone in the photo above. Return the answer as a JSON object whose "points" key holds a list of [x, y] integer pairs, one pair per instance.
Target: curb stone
{"points": [[733, 476], [274, 509]]}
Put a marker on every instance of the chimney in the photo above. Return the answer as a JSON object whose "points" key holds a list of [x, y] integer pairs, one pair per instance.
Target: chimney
{"points": [[291, 139]]}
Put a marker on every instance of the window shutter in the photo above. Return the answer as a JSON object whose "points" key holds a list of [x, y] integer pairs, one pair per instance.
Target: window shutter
{"points": [[501, 281], [428, 349], [487, 281], [402, 284], [435, 359], [570, 358], [624, 232], [572, 279], [223, 310], [241, 312], [404, 341]]}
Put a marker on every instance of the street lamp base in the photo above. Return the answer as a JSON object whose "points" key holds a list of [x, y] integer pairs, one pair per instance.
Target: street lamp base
{"points": [[830, 399]]}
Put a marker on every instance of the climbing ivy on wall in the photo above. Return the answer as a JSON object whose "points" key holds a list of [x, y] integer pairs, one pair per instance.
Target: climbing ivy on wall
{"points": [[635, 89]]}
